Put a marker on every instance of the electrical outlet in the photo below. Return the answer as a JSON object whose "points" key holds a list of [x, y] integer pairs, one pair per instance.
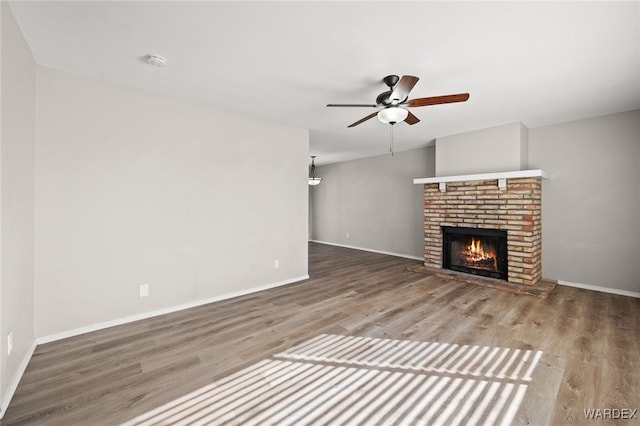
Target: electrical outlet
{"points": [[10, 343], [144, 290], [276, 263], [348, 236]]}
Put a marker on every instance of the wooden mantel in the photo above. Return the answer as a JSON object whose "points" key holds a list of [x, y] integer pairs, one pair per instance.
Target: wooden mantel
{"points": [[483, 176]]}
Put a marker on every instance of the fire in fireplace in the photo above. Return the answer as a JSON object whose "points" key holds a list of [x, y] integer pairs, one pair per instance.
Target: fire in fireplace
{"points": [[475, 251]]}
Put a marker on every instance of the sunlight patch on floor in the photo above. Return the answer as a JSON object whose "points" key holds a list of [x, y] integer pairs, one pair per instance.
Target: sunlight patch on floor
{"points": [[333, 379]]}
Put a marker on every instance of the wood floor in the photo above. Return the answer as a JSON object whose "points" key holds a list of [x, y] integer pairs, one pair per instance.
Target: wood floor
{"points": [[358, 310]]}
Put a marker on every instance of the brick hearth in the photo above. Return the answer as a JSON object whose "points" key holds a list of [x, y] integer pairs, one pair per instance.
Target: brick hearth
{"points": [[482, 204]]}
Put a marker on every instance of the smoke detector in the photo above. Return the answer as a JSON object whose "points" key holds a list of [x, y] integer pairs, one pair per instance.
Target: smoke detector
{"points": [[157, 60]]}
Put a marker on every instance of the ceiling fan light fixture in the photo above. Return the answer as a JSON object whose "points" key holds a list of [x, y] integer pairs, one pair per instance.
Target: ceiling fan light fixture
{"points": [[392, 115]]}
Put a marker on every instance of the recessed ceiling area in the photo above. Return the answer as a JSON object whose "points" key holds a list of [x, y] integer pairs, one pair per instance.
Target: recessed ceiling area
{"points": [[535, 62]]}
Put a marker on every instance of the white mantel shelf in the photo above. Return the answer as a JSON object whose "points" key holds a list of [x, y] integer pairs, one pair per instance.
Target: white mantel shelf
{"points": [[540, 174]]}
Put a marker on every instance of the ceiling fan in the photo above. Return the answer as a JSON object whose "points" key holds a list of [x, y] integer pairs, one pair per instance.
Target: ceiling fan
{"points": [[392, 105]]}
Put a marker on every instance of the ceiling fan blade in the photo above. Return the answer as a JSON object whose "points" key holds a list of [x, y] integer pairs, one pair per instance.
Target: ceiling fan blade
{"points": [[402, 89], [411, 119], [436, 100], [362, 120], [352, 105]]}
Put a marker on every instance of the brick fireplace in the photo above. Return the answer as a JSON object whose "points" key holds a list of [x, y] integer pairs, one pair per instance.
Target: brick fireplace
{"points": [[507, 201]]}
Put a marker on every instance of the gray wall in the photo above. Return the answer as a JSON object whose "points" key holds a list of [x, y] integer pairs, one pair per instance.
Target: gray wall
{"points": [[17, 202], [134, 188], [496, 149], [375, 201], [591, 204]]}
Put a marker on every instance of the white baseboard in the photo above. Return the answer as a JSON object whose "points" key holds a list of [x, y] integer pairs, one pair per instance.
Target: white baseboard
{"points": [[602, 289], [368, 249], [13, 384], [145, 315]]}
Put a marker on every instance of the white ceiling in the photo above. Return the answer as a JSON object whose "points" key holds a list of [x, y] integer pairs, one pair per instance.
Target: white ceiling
{"points": [[539, 62]]}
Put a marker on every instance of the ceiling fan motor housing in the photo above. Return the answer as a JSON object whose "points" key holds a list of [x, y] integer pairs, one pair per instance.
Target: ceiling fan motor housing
{"points": [[384, 98]]}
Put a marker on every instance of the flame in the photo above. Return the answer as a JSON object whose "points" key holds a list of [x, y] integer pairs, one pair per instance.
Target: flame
{"points": [[476, 253]]}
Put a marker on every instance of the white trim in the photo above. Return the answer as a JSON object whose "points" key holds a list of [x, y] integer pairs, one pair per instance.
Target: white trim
{"points": [[602, 289], [484, 176], [502, 184], [164, 311], [13, 385], [368, 249]]}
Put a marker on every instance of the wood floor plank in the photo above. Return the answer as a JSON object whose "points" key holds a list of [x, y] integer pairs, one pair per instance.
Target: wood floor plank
{"points": [[582, 346]]}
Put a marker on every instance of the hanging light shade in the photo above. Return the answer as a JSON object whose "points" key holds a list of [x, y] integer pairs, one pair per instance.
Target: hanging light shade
{"points": [[392, 114], [313, 180]]}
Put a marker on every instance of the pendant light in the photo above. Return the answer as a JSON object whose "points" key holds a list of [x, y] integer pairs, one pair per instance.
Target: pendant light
{"points": [[313, 180]]}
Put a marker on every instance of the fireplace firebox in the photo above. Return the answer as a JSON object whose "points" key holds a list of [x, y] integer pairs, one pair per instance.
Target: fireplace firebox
{"points": [[475, 251]]}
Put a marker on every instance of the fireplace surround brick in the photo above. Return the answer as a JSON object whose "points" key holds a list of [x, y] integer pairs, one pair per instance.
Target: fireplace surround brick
{"points": [[482, 204]]}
